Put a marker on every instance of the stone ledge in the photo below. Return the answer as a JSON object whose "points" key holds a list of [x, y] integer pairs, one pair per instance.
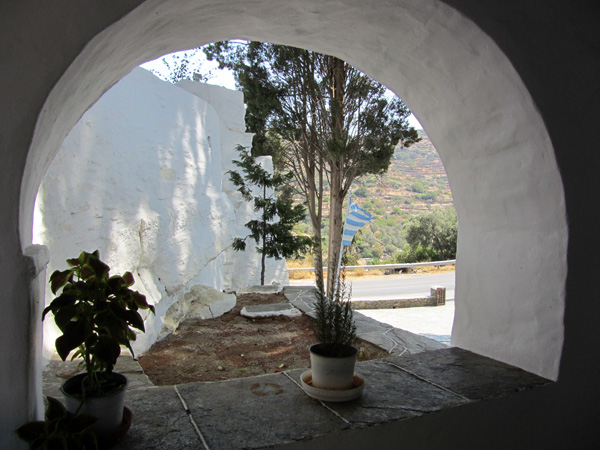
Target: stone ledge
{"points": [[272, 410], [395, 303]]}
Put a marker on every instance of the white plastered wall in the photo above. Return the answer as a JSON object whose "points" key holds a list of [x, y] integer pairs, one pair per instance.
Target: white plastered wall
{"points": [[508, 193], [140, 178]]}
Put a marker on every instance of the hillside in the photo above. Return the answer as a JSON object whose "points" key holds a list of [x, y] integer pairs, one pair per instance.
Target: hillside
{"points": [[416, 181]]}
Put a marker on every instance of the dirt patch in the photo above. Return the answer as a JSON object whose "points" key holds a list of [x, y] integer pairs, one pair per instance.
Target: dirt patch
{"points": [[233, 346]]}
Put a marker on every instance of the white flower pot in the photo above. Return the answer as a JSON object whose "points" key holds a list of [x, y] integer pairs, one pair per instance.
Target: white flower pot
{"points": [[108, 409], [332, 372]]}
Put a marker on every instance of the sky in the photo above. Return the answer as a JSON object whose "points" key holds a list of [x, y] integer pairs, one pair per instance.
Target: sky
{"points": [[217, 77]]}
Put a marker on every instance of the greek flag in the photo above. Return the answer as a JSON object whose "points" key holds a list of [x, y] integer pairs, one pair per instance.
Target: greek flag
{"points": [[355, 218]]}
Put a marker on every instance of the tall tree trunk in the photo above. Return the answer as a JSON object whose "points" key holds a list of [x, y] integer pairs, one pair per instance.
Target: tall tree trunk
{"points": [[314, 168], [337, 76], [263, 255], [316, 214], [335, 230], [318, 254]]}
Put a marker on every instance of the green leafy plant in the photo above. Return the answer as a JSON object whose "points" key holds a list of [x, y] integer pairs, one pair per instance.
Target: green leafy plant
{"points": [[273, 231], [60, 430], [96, 314], [334, 322]]}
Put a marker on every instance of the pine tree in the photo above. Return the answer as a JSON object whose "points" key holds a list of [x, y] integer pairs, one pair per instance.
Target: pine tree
{"points": [[272, 232]]}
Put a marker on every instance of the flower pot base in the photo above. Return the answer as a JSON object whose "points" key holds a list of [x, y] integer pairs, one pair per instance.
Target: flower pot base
{"points": [[108, 441], [332, 395]]}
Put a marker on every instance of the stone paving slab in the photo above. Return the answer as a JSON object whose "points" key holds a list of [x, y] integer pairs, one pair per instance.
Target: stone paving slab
{"points": [[258, 289], [468, 374], [390, 394], [258, 412], [270, 310], [159, 422], [57, 371]]}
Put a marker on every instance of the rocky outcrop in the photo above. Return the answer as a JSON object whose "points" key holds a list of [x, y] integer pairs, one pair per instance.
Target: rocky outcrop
{"points": [[201, 302]]}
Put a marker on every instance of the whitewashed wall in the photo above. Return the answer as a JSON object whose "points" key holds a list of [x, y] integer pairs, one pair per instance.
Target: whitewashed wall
{"points": [[141, 178]]}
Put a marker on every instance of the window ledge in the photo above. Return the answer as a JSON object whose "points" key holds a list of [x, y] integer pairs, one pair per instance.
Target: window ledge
{"points": [[270, 410], [420, 377]]}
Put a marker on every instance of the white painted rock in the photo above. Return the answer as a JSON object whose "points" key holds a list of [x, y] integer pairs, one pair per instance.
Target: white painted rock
{"points": [[272, 310], [201, 302], [258, 289], [206, 302]]}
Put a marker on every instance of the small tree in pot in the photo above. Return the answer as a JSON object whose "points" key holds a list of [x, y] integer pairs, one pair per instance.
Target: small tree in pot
{"points": [[333, 358], [96, 314]]}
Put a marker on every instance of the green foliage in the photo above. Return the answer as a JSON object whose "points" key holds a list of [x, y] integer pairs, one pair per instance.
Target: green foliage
{"points": [[414, 255], [272, 232], [96, 314], [362, 192], [428, 196], [417, 187], [435, 232], [60, 430], [334, 321], [180, 66], [335, 123]]}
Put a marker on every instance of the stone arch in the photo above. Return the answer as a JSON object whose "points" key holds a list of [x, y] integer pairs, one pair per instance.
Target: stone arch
{"points": [[500, 163]]}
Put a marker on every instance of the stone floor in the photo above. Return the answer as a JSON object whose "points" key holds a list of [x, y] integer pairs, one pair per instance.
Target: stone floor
{"points": [[420, 377]]}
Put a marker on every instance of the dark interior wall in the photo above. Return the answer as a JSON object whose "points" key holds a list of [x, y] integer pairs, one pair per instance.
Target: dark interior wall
{"points": [[37, 46], [554, 46]]}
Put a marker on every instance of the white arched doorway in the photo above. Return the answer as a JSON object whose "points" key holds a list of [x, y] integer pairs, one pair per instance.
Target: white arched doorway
{"points": [[507, 189]]}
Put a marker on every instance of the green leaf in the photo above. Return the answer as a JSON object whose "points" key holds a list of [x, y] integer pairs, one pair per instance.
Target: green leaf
{"points": [[100, 269], [31, 431], [128, 279], [134, 319], [81, 422], [73, 337], [58, 279], [55, 409], [141, 302], [74, 262], [58, 443], [64, 300], [107, 350], [64, 316]]}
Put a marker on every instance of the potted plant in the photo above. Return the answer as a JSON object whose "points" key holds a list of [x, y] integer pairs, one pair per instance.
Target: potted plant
{"points": [[332, 360], [96, 314], [59, 430]]}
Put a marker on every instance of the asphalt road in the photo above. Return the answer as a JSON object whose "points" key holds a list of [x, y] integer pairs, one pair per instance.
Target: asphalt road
{"points": [[432, 322], [389, 287]]}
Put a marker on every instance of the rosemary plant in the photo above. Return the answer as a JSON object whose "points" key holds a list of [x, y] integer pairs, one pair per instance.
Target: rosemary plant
{"points": [[334, 322]]}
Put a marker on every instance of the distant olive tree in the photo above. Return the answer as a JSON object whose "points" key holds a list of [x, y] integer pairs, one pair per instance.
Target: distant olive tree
{"points": [[431, 235]]}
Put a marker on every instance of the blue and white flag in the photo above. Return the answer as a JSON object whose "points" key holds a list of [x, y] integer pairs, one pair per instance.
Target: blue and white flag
{"points": [[355, 218]]}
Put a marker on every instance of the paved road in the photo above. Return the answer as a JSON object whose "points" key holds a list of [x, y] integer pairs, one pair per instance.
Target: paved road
{"points": [[389, 287], [435, 322], [401, 286]]}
